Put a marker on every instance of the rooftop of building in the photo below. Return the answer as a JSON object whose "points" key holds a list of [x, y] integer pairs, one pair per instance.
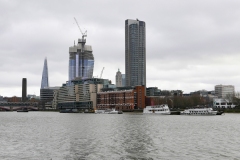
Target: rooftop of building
{"points": [[74, 48]]}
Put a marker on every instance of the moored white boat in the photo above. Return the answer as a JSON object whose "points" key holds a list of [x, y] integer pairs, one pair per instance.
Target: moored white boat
{"points": [[102, 111], [99, 111], [199, 112], [113, 111], [107, 111], [157, 109]]}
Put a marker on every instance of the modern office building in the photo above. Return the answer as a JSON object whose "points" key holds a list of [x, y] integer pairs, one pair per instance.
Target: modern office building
{"points": [[24, 89], [153, 91], [81, 95], [54, 101], [224, 91], [81, 60], [45, 82], [135, 52], [30, 96], [46, 94], [201, 93], [176, 93], [118, 79]]}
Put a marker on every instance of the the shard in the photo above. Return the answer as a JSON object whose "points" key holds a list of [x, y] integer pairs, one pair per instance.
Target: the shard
{"points": [[45, 83]]}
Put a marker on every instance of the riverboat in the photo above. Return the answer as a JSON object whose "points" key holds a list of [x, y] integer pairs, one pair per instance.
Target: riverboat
{"points": [[23, 110], [220, 112], [69, 111], [199, 112], [157, 109], [107, 111], [113, 112]]}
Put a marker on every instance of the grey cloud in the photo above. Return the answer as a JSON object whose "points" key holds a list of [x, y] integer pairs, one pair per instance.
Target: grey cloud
{"points": [[181, 36]]}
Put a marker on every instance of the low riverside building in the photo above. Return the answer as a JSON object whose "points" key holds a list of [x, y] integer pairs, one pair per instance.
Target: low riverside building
{"points": [[54, 102], [13, 99], [176, 93], [81, 94], [47, 96], [153, 91], [156, 100], [125, 99], [220, 103], [1, 98]]}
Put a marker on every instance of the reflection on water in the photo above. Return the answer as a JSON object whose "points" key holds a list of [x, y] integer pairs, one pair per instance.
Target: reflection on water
{"points": [[51, 135]]}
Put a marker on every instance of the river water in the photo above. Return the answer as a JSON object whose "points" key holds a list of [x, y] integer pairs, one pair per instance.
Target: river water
{"points": [[57, 136]]}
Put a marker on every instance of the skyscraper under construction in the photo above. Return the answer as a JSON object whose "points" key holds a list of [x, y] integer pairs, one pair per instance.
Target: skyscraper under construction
{"points": [[81, 60]]}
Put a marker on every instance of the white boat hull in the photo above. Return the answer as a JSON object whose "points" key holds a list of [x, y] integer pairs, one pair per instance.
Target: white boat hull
{"points": [[100, 111], [199, 112], [158, 109], [107, 111], [163, 113]]}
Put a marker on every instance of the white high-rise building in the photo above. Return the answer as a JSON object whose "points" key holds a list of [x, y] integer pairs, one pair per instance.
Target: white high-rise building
{"points": [[118, 79], [224, 91], [135, 52]]}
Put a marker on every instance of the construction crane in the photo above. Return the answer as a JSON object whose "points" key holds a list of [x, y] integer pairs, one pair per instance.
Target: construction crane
{"points": [[82, 42], [83, 34], [101, 73]]}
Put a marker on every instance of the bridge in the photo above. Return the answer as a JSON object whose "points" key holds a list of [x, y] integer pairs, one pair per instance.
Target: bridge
{"points": [[14, 106]]}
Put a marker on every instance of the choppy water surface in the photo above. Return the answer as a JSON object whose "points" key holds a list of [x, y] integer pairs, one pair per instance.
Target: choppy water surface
{"points": [[52, 135]]}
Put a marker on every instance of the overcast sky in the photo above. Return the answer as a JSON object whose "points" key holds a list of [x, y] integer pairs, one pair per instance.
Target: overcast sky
{"points": [[190, 45]]}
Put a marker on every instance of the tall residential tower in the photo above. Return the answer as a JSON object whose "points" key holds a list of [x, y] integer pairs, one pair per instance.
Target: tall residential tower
{"points": [[135, 52]]}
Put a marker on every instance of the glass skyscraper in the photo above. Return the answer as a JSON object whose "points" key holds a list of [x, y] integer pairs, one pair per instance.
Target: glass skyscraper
{"points": [[81, 61], [44, 82], [135, 52]]}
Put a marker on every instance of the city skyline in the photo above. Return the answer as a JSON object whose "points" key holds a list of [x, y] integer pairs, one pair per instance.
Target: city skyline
{"points": [[190, 46]]}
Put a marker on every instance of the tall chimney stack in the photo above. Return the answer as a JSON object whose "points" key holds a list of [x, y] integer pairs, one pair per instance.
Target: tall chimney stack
{"points": [[24, 89]]}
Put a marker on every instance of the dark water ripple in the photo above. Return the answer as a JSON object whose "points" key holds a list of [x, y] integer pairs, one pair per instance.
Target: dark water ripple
{"points": [[51, 135]]}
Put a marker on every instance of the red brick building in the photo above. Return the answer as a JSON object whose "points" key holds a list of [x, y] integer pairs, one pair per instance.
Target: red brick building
{"points": [[13, 99], [127, 100]]}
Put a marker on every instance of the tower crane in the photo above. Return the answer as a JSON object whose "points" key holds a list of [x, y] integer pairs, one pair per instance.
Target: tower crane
{"points": [[83, 34], [101, 73], [82, 42]]}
